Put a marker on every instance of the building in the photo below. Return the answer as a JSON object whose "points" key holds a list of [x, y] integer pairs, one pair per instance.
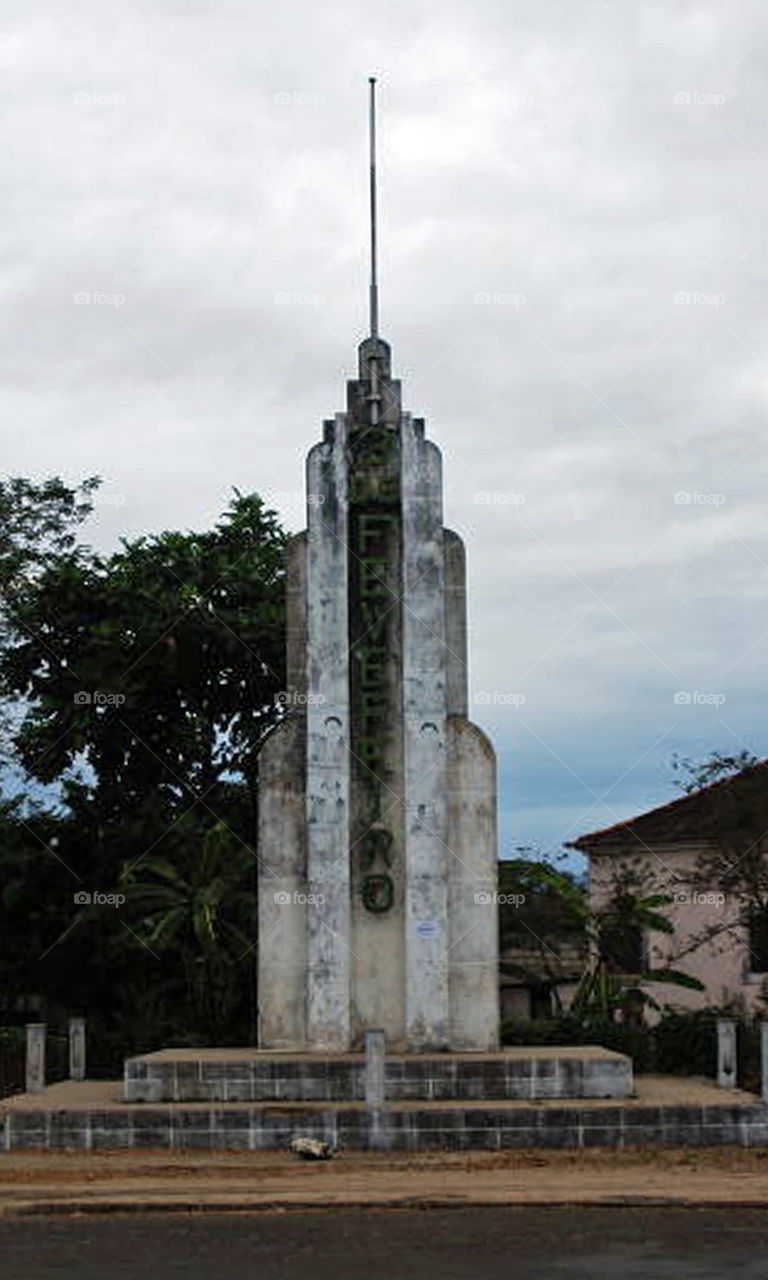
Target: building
{"points": [[539, 979], [707, 852]]}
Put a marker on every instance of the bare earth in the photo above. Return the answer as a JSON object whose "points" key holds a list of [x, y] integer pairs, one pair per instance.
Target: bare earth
{"points": [[33, 1182], [650, 1091], [124, 1181]]}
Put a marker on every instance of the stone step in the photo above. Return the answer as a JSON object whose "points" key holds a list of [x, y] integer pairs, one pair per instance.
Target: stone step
{"points": [[251, 1075], [401, 1127]]}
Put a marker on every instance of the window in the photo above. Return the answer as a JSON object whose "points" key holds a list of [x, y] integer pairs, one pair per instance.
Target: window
{"points": [[623, 946], [757, 960]]}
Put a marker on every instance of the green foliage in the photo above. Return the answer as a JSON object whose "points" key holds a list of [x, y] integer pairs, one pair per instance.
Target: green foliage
{"points": [[182, 635], [686, 1043], [198, 906], [734, 819], [554, 904], [695, 774], [38, 525], [570, 1029], [12, 1037], [683, 1044], [618, 971]]}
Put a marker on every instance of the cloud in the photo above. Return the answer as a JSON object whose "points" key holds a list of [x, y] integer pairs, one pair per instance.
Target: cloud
{"points": [[605, 165]]}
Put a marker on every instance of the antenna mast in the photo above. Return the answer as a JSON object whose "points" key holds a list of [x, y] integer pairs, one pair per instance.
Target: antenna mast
{"points": [[374, 293]]}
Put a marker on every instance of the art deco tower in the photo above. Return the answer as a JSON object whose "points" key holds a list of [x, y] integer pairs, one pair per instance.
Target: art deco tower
{"points": [[377, 836]]}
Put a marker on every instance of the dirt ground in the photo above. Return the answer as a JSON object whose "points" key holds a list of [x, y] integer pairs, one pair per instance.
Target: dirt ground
{"points": [[51, 1182]]}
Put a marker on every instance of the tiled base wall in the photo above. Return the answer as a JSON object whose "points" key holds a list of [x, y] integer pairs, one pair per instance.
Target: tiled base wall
{"points": [[326, 1080], [476, 1128]]}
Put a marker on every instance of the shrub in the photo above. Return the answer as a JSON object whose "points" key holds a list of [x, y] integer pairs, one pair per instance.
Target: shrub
{"points": [[680, 1044]]}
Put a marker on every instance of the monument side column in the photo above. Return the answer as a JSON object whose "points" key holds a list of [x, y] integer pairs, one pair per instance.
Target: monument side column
{"points": [[328, 727], [473, 938], [472, 856], [456, 658], [424, 744], [282, 855]]}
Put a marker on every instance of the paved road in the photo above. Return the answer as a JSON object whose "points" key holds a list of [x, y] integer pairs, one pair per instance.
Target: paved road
{"points": [[461, 1244]]}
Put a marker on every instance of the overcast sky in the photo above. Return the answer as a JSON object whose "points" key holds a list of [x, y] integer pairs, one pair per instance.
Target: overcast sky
{"points": [[573, 279]]}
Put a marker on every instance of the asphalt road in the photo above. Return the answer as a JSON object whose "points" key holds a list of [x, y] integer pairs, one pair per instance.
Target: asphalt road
{"points": [[460, 1244]]}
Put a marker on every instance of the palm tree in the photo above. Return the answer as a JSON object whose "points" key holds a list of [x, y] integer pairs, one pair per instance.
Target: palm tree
{"points": [[619, 968], [196, 906]]}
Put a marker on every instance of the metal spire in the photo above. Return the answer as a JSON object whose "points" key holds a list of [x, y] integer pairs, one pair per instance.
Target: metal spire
{"points": [[374, 294]]}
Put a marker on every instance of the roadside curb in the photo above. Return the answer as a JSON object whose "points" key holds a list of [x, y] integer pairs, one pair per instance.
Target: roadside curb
{"points": [[98, 1207]]}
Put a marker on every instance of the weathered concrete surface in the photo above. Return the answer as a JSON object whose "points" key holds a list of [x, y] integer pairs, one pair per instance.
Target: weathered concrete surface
{"points": [[328, 734], [296, 617], [282, 939], [77, 1054], [378, 969], [456, 656], [665, 1113], [231, 1075], [422, 968], [424, 744], [473, 945]]}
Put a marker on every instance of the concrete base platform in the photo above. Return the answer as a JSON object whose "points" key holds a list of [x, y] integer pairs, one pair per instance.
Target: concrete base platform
{"points": [[668, 1112], [242, 1075]]}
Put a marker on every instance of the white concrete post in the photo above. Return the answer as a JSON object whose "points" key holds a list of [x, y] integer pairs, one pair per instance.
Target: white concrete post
{"points": [[764, 1059], [328, 924], [726, 1053], [35, 1068], [77, 1048], [375, 1086]]}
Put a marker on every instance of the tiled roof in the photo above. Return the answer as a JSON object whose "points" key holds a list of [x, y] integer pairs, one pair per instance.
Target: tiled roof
{"points": [[732, 804]]}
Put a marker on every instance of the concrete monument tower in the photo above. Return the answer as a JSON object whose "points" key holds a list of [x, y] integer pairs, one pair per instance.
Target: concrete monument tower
{"points": [[377, 835], [377, 841]]}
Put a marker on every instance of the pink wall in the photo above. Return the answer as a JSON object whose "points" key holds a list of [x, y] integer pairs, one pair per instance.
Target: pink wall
{"points": [[722, 963]]}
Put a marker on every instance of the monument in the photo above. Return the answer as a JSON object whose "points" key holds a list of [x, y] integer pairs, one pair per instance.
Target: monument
{"points": [[378, 934], [377, 838]]}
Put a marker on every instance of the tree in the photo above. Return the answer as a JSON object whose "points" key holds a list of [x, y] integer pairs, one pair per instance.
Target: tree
{"points": [[155, 668], [144, 683], [38, 524], [538, 900], [38, 529], [694, 775], [542, 911], [735, 856], [619, 968], [198, 906]]}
